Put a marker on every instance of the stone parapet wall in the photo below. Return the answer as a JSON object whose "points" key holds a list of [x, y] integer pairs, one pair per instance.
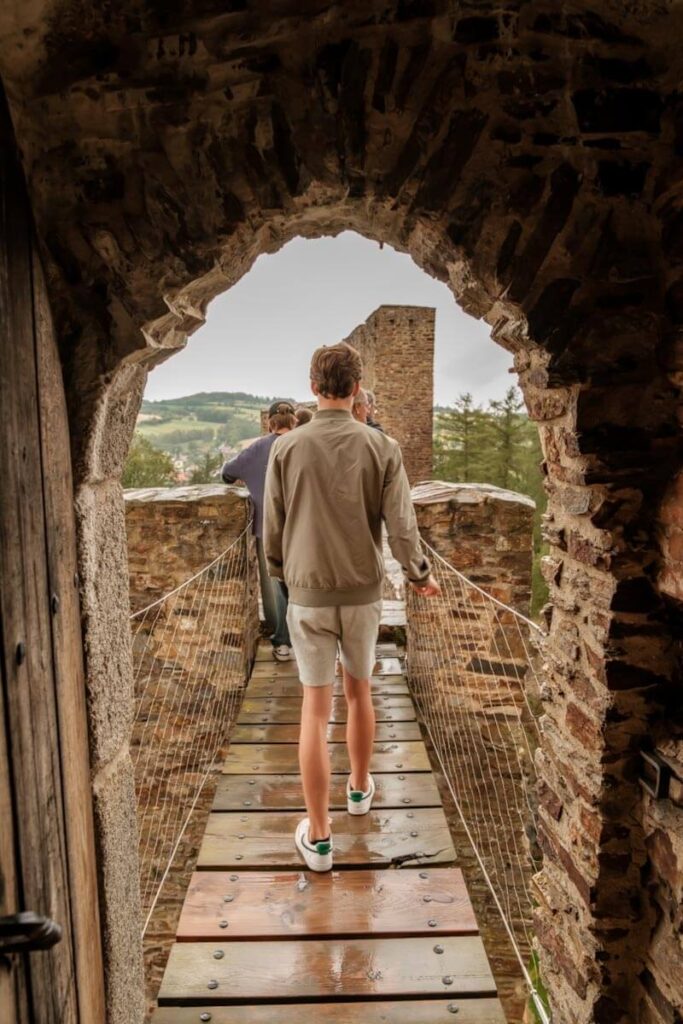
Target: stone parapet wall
{"points": [[396, 344], [191, 653], [467, 666]]}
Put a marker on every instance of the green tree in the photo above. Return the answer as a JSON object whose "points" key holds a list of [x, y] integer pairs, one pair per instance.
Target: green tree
{"points": [[506, 424], [147, 466], [460, 441], [207, 470]]}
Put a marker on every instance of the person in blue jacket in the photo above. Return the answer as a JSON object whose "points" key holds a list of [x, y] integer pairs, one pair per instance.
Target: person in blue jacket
{"points": [[250, 466]]}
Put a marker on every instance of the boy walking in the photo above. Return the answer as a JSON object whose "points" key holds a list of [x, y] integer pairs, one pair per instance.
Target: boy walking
{"points": [[328, 490]]}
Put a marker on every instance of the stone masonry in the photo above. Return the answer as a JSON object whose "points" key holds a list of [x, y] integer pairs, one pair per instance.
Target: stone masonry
{"points": [[467, 664], [396, 344], [192, 655], [529, 154]]}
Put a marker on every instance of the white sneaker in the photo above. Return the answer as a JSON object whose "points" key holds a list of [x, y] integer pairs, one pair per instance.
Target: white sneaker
{"points": [[318, 856], [283, 653], [358, 802]]}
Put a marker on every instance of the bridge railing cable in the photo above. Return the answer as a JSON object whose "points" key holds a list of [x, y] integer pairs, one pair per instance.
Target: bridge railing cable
{"points": [[473, 669], [189, 655]]}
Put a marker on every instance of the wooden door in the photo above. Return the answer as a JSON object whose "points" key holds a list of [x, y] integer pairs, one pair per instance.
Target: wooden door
{"points": [[47, 850]]}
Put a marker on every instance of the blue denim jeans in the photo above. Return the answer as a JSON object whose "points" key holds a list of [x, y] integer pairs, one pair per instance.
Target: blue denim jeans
{"points": [[274, 597]]}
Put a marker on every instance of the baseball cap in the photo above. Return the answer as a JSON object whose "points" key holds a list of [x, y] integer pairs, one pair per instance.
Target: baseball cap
{"points": [[281, 407]]}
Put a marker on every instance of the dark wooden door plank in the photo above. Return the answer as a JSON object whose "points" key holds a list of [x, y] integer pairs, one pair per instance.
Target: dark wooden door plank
{"points": [[336, 733], [270, 759], [266, 840], [284, 793], [25, 607], [408, 1011], [346, 904], [315, 969], [67, 645]]}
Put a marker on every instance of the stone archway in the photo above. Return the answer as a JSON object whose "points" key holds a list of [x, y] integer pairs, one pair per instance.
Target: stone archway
{"points": [[525, 155]]}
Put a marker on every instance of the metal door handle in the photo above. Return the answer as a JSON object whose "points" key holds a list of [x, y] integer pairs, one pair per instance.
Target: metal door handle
{"points": [[26, 932]]}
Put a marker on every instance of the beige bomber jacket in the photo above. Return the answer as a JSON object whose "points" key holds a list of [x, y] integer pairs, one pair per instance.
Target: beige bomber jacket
{"points": [[329, 485]]}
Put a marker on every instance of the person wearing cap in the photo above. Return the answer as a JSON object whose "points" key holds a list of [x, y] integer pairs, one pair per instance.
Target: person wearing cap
{"points": [[250, 466]]}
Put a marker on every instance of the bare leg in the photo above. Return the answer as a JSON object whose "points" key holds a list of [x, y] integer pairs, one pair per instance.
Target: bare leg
{"points": [[314, 758], [360, 728]]}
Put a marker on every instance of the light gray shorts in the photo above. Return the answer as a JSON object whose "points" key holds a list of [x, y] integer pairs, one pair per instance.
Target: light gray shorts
{"points": [[317, 633]]}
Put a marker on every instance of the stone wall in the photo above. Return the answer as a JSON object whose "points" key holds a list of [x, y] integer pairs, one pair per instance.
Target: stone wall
{"points": [[528, 155], [396, 344], [467, 665], [191, 655]]}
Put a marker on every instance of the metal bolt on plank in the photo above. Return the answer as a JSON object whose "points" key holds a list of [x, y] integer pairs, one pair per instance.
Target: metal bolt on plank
{"points": [[212, 984]]}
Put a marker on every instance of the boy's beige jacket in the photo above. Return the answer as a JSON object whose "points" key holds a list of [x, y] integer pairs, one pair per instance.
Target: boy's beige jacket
{"points": [[329, 485]]}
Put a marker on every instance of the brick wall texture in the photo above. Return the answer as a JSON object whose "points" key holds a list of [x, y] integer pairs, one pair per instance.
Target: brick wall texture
{"points": [[191, 657], [467, 666], [397, 347]]}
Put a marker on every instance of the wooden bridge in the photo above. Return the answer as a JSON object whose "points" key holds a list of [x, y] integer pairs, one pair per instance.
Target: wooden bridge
{"points": [[389, 936]]}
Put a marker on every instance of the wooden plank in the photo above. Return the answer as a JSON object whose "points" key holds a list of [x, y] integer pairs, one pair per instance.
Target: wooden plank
{"points": [[388, 708], [288, 669], [336, 733], [270, 759], [25, 611], [407, 1011], [67, 648], [346, 904], [284, 792], [292, 687], [315, 969], [266, 840], [14, 999]]}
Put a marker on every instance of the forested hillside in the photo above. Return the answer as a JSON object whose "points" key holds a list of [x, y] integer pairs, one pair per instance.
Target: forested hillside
{"points": [[191, 427]]}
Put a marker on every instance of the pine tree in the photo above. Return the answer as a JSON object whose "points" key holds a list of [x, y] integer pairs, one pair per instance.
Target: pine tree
{"points": [[506, 421], [460, 441]]}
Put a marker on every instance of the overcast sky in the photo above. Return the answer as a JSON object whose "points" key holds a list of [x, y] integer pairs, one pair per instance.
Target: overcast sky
{"points": [[260, 334]]}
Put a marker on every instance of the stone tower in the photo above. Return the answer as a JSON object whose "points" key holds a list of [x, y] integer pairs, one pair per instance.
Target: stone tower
{"points": [[397, 347]]}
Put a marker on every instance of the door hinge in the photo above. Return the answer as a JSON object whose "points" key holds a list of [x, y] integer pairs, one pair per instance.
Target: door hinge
{"points": [[26, 932]]}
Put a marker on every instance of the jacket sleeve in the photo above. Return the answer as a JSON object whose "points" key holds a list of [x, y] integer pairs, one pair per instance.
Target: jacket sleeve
{"points": [[233, 469], [273, 517], [399, 516]]}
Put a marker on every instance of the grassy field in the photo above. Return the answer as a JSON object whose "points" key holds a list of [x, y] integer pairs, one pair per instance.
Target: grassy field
{"points": [[195, 424]]}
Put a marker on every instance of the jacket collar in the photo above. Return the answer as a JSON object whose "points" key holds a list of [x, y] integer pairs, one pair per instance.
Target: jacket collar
{"points": [[330, 413]]}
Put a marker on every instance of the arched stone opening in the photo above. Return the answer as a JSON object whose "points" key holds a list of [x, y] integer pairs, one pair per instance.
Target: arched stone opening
{"points": [[526, 156]]}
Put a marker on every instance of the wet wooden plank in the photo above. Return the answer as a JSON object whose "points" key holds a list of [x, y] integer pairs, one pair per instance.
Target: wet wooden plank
{"points": [[342, 904], [409, 1011], [313, 969], [288, 669], [292, 687], [388, 708], [272, 758], [336, 733], [266, 840], [284, 792]]}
